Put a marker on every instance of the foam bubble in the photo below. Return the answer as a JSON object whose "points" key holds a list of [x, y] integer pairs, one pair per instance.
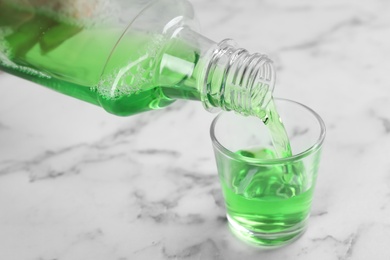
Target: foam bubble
{"points": [[5, 31], [32, 72], [137, 74], [5, 51], [6, 60]]}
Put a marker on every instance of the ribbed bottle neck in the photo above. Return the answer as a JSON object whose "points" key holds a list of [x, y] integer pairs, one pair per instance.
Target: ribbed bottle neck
{"points": [[233, 79]]}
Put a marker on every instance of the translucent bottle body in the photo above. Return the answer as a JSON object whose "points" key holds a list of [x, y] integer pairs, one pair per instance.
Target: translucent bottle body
{"points": [[126, 56]]}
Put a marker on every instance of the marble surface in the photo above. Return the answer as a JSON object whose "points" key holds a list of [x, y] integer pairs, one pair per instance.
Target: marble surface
{"points": [[78, 183]]}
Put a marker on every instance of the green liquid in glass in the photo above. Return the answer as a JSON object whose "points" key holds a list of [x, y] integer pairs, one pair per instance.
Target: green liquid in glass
{"points": [[268, 205], [264, 201]]}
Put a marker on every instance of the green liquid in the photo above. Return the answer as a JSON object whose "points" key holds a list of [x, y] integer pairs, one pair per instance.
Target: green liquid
{"points": [[267, 205], [277, 132], [95, 64]]}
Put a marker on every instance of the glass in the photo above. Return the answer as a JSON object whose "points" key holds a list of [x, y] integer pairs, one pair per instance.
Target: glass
{"points": [[268, 199]]}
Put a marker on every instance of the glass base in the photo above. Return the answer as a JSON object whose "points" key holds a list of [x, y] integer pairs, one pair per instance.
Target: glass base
{"points": [[267, 240]]}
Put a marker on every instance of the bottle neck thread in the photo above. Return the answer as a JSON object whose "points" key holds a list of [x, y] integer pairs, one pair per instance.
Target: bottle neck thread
{"points": [[235, 80]]}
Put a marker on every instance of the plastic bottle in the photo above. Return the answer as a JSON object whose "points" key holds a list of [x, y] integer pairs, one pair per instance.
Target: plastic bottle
{"points": [[129, 56]]}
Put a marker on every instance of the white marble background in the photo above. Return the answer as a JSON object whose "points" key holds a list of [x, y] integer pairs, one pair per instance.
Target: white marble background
{"points": [[77, 183]]}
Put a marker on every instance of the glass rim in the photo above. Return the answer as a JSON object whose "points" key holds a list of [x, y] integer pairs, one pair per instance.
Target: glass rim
{"points": [[313, 148]]}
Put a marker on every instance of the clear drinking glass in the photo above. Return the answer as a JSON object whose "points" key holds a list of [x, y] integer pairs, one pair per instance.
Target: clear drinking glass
{"points": [[268, 199]]}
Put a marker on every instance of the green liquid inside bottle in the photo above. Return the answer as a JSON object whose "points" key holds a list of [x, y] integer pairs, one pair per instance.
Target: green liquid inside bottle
{"points": [[100, 65]]}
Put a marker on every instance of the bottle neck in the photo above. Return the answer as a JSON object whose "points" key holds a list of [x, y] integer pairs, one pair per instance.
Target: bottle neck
{"points": [[233, 79], [221, 75]]}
